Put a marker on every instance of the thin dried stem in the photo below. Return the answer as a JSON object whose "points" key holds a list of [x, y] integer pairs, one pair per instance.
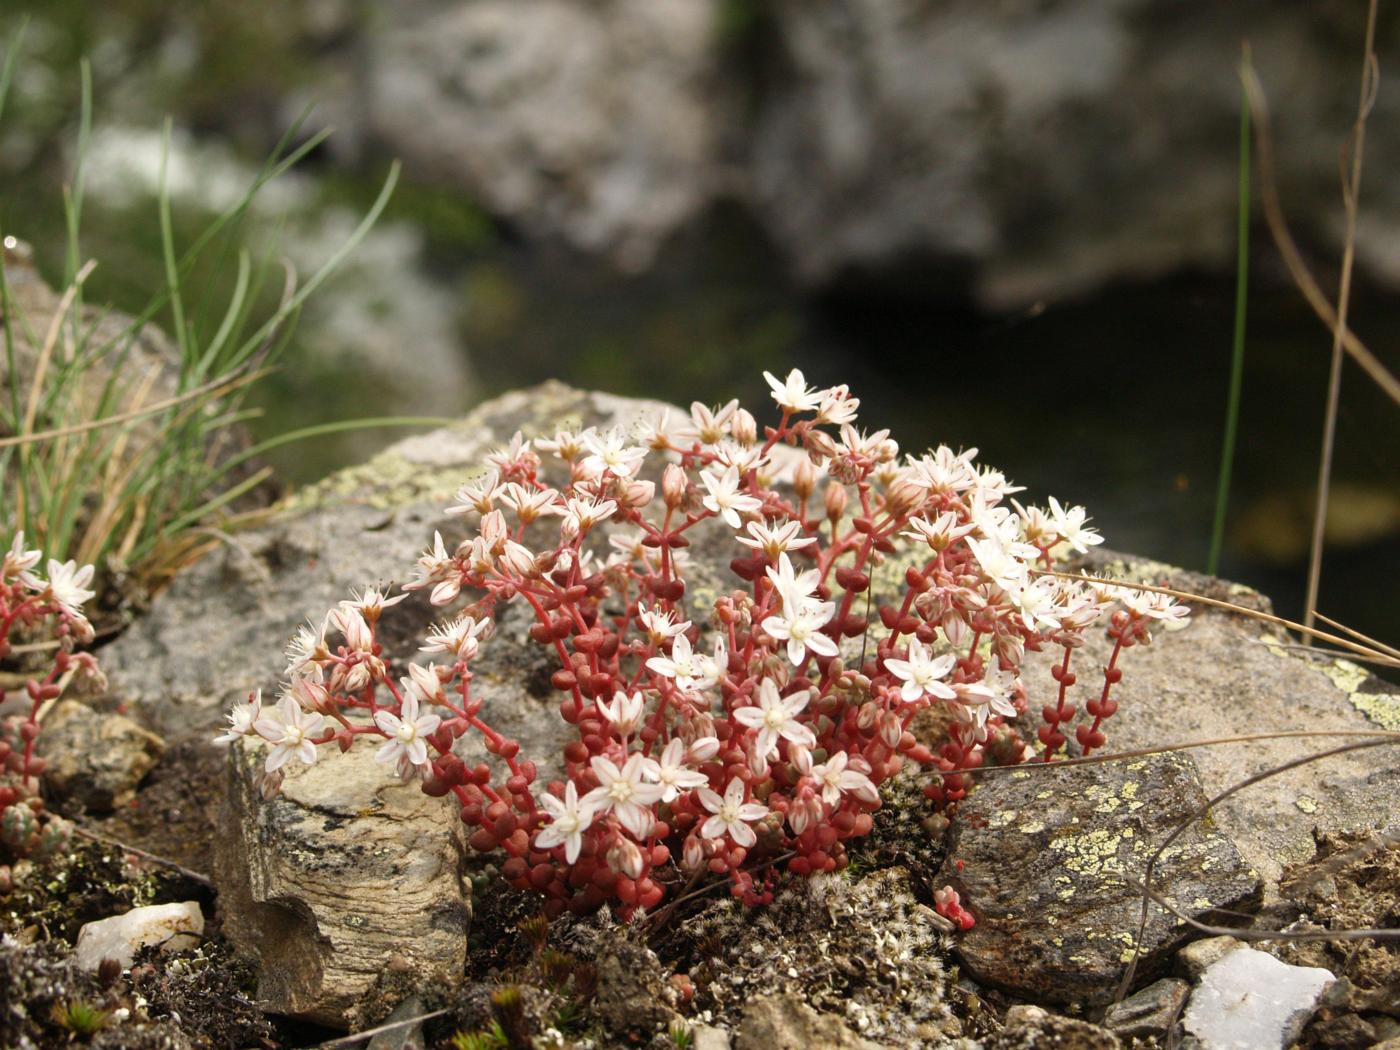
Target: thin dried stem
{"points": [[1387, 649], [1143, 752], [1201, 599], [1350, 193], [1288, 248]]}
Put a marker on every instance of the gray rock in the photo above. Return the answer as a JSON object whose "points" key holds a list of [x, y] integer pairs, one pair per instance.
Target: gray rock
{"points": [[345, 880], [633, 994], [589, 122], [1224, 676], [173, 927], [402, 1036], [785, 1022], [1248, 999], [96, 759], [1198, 956], [219, 630], [708, 1037], [1044, 859], [1008, 139], [1149, 1013], [1030, 1027]]}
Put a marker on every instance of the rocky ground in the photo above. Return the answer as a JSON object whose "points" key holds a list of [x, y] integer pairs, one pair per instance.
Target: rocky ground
{"points": [[347, 903]]}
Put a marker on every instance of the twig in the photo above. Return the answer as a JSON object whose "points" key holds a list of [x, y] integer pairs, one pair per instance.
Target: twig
{"points": [[1387, 649], [1248, 934], [193, 876], [1288, 248], [369, 1033], [1379, 735], [1201, 599], [1351, 189], [1126, 984]]}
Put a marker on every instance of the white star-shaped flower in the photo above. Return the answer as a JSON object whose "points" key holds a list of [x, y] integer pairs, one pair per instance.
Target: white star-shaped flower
{"points": [[793, 394], [724, 497], [775, 716], [623, 793], [569, 819], [731, 815], [405, 731], [671, 772], [835, 779], [923, 674], [241, 719], [800, 626], [289, 729]]}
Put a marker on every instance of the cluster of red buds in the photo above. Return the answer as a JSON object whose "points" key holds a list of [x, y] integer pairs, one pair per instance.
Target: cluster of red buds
{"points": [[41, 623], [736, 739]]}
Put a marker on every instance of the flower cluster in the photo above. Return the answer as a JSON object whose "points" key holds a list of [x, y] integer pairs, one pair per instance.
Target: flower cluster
{"points": [[41, 622], [736, 739]]}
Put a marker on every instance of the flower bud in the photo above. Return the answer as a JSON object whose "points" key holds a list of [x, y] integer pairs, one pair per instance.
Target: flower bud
{"points": [[801, 757], [639, 493], [820, 445], [625, 858], [903, 496], [518, 559], [804, 479], [692, 853], [673, 485], [867, 716], [835, 501], [890, 730], [743, 427]]}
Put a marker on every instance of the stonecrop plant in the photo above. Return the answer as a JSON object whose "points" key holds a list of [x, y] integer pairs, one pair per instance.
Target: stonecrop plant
{"points": [[744, 737], [41, 624]]}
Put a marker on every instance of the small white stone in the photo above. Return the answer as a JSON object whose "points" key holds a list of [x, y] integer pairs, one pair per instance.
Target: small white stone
{"points": [[1248, 1000], [172, 926]]}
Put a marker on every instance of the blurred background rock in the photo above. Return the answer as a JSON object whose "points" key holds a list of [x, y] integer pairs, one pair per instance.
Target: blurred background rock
{"points": [[1005, 224]]}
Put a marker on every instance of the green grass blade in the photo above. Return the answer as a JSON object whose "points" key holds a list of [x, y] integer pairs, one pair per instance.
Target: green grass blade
{"points": [[1232, 409]]}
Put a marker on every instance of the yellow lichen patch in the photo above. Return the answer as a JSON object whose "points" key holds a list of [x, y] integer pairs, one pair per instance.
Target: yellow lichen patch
{"points": [[1094, 853], [1002, 819], [1306, 803], [1032, 828], [1381, 708]]}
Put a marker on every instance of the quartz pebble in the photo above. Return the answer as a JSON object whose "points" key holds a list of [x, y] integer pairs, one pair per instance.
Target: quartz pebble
{"points": [[1249, 999], [173, 927]]}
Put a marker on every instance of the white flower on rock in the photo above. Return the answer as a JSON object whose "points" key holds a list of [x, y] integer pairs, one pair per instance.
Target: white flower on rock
{"points": [[923, 674], [623, 793], [671, 772], [776, 540], [241, 719], [800, 627], [835, 780], [611, 453], [569, 819], [730, 815], [724, 497], [624, 712], [289, 730], [691, 670], [405, 731], [775, 716]]}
